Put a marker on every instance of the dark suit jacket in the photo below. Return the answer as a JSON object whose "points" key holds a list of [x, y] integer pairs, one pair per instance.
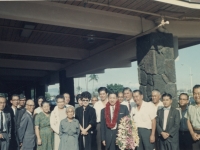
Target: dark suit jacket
{"points": [[106, 134], [7, 135], [173, 123], [26, 131]]}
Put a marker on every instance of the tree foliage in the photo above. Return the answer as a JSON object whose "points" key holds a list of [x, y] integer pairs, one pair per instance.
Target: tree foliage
{"points": [[115, 87]]}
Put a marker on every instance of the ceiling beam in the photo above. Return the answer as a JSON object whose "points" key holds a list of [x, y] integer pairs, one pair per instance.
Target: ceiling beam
{"points": [[23, 64], [74, 16], [42, 50], [125, 52], [22, 73]]}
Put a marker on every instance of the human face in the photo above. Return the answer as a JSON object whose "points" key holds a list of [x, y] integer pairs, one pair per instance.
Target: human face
{"points": [[80, 102], [22, 102], [30, 105], [67, 98], [120, 97], [40, 102], [128, 95], [196, 95], [85, 102], [46, 108], [70, 113], [166, 101], [15, 101], [183, 100], [137, 98], [155, 97], [103, 95], [112, 99], [60, 103], [94, 100], [2, 103]]}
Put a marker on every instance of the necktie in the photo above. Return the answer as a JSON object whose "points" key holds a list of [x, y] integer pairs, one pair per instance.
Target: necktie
{"points": [[1, 122], [113, 109], [129, 105]]}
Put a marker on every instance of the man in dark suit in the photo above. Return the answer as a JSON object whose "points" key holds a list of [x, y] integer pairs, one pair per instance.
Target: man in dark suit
{"points": [[167, 123], [26, 131], [5, 125], [109, 125], [13, 112]]}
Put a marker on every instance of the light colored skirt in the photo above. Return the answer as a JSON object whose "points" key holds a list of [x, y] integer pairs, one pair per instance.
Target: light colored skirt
{"points": [[56, 141]]}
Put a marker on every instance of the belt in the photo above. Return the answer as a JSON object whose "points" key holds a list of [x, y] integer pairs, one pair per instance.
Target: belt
{"points": [[3, 132], [98, 122], [183, 132], [197, 129]]}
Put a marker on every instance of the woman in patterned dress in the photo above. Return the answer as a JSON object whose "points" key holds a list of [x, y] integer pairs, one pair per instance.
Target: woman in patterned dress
{"points": [[44, 133]]}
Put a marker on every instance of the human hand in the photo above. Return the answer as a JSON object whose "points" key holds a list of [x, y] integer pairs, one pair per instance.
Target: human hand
{"points": [[20, 144], [152, 138], [164, 135], [104, 143], [1, 136], [39, 142], [84, 132], [195, 136]]}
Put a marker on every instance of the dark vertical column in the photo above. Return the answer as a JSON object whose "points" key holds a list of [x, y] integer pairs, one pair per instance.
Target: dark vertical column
{"points": [[27, 91], [156, 64], [67, 85], [40, 90]]}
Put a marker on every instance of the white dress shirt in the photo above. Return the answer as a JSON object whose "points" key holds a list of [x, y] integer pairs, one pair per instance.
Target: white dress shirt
{"points": [[14, 109], [4, 119], [132, 103], [98, 106], [112, 109], [143, 117], [166, 113], [158, 106]]}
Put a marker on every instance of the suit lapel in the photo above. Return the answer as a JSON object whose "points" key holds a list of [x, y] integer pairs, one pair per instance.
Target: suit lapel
{"points": [[161, 117]]}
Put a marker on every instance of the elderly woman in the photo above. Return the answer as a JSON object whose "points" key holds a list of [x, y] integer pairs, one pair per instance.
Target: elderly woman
{"points": [[69, 131], [44, 133]]}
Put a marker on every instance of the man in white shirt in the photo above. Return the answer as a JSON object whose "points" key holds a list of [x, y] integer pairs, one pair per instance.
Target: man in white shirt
{"points": [[143, 114], [167, 123], [5, 125], [128, 96], [156, 96], [98, 106]]}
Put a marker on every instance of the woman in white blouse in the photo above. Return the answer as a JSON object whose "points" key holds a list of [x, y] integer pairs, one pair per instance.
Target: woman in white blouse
{"points": [[40, 99], [58, 114]]}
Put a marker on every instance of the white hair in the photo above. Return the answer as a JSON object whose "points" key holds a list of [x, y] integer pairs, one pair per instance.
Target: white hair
{"points": [[70, 107]]}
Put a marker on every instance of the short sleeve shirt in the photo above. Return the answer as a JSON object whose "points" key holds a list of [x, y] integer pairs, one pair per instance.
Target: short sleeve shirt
{"points": [[143, 117], [194, 115]]}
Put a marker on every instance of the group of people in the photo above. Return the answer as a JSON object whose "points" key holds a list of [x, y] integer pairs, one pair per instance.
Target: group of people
{"points": [[160, 125]]}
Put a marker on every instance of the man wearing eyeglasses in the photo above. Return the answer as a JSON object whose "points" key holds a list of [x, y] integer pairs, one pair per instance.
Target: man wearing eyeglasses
{"points": [[13, 112], [26, 130], [5, 125]]}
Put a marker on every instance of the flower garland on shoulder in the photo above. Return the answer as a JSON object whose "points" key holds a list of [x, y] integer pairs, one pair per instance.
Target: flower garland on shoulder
{"points": [[109, 123]]}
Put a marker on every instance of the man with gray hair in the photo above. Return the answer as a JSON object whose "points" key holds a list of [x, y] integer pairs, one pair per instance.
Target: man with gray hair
{"points": [[156, 96], [26, 131]]}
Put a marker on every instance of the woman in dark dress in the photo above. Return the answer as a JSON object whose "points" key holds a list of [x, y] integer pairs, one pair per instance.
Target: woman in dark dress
{"points": [[87, 119]]}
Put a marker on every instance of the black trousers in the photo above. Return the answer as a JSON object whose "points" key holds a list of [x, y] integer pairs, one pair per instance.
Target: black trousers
{"points": [[196, 144], [144, 135], [185, 140]]}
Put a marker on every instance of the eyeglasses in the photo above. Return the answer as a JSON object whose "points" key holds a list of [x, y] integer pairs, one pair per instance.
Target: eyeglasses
{"points": [[86, 100], [30, 105]]}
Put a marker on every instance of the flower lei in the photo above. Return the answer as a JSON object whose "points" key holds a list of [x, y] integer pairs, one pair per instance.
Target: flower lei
{"points": [[107, 115]]}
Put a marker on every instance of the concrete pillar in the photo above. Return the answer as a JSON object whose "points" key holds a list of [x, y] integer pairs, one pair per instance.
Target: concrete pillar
{"points": [[67, 85], [156, 65]]}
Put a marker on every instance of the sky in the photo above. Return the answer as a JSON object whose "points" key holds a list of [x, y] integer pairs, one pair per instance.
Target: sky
{"points": [[188, 59]]}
